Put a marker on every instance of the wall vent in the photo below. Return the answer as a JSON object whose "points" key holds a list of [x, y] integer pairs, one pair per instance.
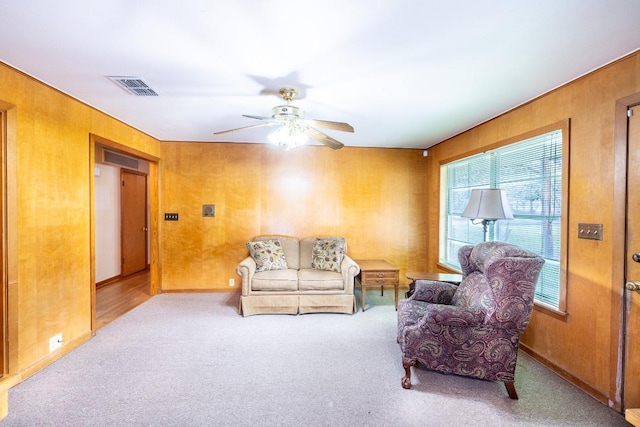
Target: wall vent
{"points": [[111, 157], [134, 85]]}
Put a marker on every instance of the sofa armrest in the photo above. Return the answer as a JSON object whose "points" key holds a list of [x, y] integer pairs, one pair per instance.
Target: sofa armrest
{"points": [[434, 292], [349, 270], [246, 269], [453, 315]]}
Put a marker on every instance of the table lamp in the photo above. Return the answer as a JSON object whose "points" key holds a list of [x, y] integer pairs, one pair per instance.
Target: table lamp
{"points": [[489, 205]]}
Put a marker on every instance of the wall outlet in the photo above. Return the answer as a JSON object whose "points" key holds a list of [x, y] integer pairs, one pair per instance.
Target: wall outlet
{"points": [[55, 342], [232, 282]]}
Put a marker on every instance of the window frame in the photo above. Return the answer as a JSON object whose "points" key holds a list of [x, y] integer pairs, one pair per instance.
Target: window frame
{"points": [[564, 126]]}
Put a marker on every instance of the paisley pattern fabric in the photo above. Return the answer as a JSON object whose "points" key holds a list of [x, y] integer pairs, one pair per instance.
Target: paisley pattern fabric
{"points": [[434, 292], [472, 329]]}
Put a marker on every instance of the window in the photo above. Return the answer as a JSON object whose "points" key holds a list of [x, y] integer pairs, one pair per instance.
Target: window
{"points": [[530, 171]]}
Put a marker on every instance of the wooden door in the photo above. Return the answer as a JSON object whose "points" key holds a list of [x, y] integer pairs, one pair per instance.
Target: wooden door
{"points": [[133, 222], [631, 397]]}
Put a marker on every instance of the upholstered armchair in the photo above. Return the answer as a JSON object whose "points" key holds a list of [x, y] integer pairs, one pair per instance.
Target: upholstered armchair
{"points": [[471, 329]]}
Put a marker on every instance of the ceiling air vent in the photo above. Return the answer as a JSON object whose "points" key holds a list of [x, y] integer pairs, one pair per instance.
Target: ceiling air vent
{"points": [[134, 85], [119, 159]]}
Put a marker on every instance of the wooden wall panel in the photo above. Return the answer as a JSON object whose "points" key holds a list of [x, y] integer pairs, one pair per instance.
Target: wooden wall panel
{"points": [[374, 197], [584, 345], [49, 198]]}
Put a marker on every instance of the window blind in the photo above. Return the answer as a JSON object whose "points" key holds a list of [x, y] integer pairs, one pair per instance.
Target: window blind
{"points": [[530, 172]]}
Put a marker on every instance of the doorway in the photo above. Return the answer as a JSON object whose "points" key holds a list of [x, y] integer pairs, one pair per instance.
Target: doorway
{"points": [[133, 245]]}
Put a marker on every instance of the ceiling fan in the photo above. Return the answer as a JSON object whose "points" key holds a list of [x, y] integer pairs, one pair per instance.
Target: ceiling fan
{"points": [[293, 127]]}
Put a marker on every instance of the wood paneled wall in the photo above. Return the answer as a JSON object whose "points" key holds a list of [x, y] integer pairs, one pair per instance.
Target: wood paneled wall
{"points": [[48, 192], [585, 345], [375, 198]]}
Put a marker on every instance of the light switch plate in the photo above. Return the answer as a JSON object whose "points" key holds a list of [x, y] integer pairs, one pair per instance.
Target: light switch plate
{"points": [[590, 231]]}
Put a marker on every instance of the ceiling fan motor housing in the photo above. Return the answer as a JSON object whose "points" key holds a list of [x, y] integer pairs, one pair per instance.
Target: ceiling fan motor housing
{"points": [[287, 112]]}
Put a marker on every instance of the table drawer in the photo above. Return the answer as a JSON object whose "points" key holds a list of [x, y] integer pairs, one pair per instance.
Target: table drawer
{"points": [[389, 278]]}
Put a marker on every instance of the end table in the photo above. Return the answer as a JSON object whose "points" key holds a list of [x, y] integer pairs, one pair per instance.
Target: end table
{"points": [[377, 272]]}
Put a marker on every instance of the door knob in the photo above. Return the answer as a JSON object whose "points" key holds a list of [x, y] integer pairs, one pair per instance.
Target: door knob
{"points": [[633, 286], [636, 257], [145, 229]]}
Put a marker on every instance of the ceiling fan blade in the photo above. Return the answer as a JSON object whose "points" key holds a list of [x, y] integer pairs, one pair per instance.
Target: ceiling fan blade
{"points": [[324, 138], [258, 117], [344, 127], [245, 127]]}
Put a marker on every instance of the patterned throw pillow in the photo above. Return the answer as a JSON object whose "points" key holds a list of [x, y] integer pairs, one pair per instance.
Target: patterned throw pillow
{"points": [[268, 255], [327, 254]]}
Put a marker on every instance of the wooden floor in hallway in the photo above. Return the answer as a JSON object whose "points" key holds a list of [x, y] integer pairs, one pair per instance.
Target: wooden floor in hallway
{"points": [[116, 298]]}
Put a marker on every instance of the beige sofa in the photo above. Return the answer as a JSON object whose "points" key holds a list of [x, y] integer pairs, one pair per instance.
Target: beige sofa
{"points": [[306, 281]]}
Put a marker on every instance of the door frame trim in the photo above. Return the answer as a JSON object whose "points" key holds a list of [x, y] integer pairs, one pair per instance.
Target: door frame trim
{"points": [[619, 227], [154, 243]]}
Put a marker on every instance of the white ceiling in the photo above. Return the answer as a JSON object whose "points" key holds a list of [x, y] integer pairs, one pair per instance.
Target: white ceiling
{"points": [[403, 73]]}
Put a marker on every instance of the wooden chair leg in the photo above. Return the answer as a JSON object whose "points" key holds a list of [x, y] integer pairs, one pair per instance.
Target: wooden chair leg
{"points": [[511, 389], [406, 380]]}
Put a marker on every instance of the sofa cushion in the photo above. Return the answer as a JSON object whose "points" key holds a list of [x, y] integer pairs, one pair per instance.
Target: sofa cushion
{"points": [[275, 280], [312, 279], [267, 254], [306, 249], [327, 254], [290, 246]]}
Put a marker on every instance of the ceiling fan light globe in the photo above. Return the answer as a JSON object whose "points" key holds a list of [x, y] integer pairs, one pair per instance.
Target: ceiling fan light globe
{"points": [[300, 138], [288, 135]]}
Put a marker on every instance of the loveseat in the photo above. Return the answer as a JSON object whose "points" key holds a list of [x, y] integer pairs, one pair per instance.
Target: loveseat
{"points": [[287, 275]]}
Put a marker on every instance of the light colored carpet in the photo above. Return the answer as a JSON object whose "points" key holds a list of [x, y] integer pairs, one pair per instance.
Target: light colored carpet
{"points": [[191, 360]]}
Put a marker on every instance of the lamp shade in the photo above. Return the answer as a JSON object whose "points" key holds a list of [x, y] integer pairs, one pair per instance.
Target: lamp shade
{"points": [[488, 203]]}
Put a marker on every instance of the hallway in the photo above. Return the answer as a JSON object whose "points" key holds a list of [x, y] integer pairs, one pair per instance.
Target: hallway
{"points": [[116, 298]]}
